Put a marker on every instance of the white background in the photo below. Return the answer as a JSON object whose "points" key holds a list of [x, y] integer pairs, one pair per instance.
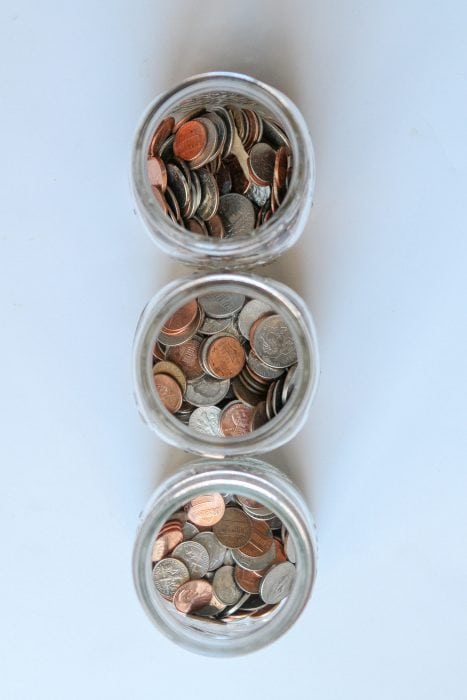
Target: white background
{"points": [[382, 265]]}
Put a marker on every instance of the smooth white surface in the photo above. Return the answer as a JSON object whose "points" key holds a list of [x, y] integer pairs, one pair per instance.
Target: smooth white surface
{"points": [[382, 264]]}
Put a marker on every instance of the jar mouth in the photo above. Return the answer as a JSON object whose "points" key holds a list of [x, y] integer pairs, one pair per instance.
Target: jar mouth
{"points": [[251, 478], [286, 424], [271, 237]]}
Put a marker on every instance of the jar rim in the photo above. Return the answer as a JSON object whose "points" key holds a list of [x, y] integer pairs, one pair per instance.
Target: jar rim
{"points": [[249, 477], [269, 239], [283, 427]]}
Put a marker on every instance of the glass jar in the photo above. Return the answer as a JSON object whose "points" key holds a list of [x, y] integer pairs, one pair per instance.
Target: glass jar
{"points": [[275, 432], [245, 477], [272, 238]]}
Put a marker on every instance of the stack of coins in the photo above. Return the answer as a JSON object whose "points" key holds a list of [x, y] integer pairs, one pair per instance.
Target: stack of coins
{"points": [[223, 557], [219, 172], [224, 364]]}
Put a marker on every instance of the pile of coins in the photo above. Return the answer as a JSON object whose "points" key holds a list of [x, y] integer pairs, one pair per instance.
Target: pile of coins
{"points": [[219, 172], [224, 557], [224, 364]]}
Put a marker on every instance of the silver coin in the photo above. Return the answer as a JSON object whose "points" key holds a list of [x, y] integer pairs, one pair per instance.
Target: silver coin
{"points": [[189, 531], [225, 587], [212, 609], [262, 370], [254, 563], [194, 556], [206, 391], [274, 344], [168, 575], [179, 185], [258, 194], [214, 548], [251, 312], [212, 326], [233, 608], [206, 420], [221, 304], [289, 383], [289, 548], [209, 194], [228, 558], [237, 214], [277, 583], [274, 134]]}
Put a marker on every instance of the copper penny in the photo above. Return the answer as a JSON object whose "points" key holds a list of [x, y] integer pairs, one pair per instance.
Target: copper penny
{"points": [[196, 226], [161, 200], [236, 419], [280, 166], [248, 581], [234, 529], [225, 357], [157, 172], [215, 226], [161, 134], [181, 319], [260, 540], [170, 368], [166, 542], [169, 392], [206, 510], [186, 356], [190, 140], [192, 595]]}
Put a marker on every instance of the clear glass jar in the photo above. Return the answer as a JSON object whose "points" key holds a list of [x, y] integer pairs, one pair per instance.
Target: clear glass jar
{"points": [[269, 240], [246, 477], [294, 413]]}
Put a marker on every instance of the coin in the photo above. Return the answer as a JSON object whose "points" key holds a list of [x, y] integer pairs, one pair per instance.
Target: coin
{"points": [[157, 172], [206, 420], [225, 357], [160, 135], [224, 585], [277, 582], [251, 312], [169, 392], [206, 391], [221, 305], [170, 368], [192, 595], [248, 581], [254, 563], [234, 528], [186, 357], [289, 548], [194, 556], [213, 326], [261, 163], [215, 226], [168, 574], [190, 140], [214, 548], [206, 510], [209, 196], [189, 531], [274, 344], [260, 540], [237, 214], [181, 319], [259, 416], [179, 186], [235, 419]]}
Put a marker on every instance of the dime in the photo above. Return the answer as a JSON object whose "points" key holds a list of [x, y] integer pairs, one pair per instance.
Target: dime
{"points": [[221, 305], [235, 419], [169, 392], [206, 420], [224, 585], [168, 574], [251, 312], [274, 344], [206, 510], [192, 595], [237, 214], [206, 391], [190, 140], [186, 356], [214, 548], [289, 548], [234, 529], [278, 582], [194, 556]]}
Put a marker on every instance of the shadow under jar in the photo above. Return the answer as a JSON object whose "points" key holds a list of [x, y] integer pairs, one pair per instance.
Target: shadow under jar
{"points": [[238, 633], [287, 399], [252, 115]]}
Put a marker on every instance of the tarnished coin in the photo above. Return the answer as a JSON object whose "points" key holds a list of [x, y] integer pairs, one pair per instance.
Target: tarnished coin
{"points": [[169, 392], [259, 195], [234, 529], [168, 574], [237, 214], [186, 356], [261, 163], [259, 416], [192, 596], [197, 226], [274, 343], [235, 419], [206, 510], [206, 391], [194, 556], [214, 548], [277, 582], [221, 305], [215, 227], [251, 312], [224, 585], [206, 420]]}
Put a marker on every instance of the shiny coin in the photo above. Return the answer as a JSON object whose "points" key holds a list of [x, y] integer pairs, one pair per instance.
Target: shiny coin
{"points": [[192, 596], [194, 556], [206, 420], [237, 214], [225, 357], [206, 510], [189, 531], [234, 529], [206, 391], [277, 582], [215, 549], [274, 344], [169, 392], [209, 194], [221, 305], [235, 419], [170, 368], [251, 312], [224, 586], [190, 140], [168, 574], [254, 563], [213, 326], [248, 581]]}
